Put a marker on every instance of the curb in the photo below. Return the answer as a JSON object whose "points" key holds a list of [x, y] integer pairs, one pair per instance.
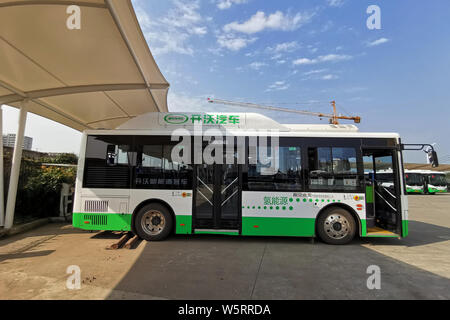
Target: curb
{"points": [[24, 227]]}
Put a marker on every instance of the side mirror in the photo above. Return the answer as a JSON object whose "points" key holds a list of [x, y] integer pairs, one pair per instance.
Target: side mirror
{"points": [[431, 154], [433, 158]]}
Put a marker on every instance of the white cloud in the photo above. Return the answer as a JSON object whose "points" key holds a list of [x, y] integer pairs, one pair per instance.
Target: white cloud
{"points": [[377, 42], [334, 58], [303, 61], [277, 56], [181, 103], [252, 54], [312, 49], [336, 3], [314, 72], [233, 43], [275, 21], [173, 32], [321, 59], [284, 47], [257, 65], [329, 77], [278, 86], [226, 4]]}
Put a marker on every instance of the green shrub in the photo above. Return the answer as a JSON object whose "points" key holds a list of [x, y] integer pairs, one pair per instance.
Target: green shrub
{"points": [[39, 187]]}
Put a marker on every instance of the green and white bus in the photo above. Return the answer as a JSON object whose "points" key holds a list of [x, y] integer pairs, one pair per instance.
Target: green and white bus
{"points": [[128, 179], [435, 182], [425, 182], [415, 181]]}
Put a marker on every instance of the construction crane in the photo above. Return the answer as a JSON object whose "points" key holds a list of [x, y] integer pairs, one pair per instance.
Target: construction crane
{"points": [[334, 118]]}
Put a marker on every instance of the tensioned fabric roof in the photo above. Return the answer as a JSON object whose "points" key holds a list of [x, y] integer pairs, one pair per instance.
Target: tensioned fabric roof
{"points": [[99, 76]]}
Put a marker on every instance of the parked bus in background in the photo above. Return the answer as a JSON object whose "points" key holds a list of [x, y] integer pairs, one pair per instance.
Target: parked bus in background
{"points": [[415, 181], [435, 182], [129, 180]]}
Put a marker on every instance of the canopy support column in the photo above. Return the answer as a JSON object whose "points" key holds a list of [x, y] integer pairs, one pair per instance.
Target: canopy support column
{"points": [[2, 184], [15, 167]]}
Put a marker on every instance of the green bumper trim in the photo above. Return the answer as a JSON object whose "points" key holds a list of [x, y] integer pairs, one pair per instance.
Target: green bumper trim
{"points": [[405, 228], [183, 225], [364, 228], [432, 190], [290, 227], [414, 191], [218, 232], [102, 221]]}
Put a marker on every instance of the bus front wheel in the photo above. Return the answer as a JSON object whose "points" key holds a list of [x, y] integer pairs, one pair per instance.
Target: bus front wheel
{"points": [[153, 222], [336, 226]]}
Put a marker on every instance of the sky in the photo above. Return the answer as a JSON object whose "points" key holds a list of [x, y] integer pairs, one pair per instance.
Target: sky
{"points": [[300, 55]]}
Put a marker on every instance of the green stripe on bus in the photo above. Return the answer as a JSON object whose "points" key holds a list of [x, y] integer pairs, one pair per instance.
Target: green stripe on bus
{"points": [[369, 194], [217, 232], [413, 191], [102, 221], [405, 228], [183, 225], [433, 190], [291, 227], [363, 228]]}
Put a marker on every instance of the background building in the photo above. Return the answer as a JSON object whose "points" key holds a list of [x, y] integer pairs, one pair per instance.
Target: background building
{"points": [[10, 139]]}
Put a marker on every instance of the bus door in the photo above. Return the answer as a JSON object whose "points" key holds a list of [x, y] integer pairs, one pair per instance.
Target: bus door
{"points": [[217, 196], [383, 192]]}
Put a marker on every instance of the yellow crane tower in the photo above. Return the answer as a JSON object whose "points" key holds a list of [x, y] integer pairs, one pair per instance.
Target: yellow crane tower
{"points": [[334, 117]]}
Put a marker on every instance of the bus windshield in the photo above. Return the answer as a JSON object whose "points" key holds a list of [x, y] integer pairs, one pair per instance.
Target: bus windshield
{"points": [[438, 180], [414, 179]]}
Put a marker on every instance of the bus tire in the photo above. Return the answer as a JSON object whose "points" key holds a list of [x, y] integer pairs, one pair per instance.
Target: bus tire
{"points": [[153, 222], [336, 226]]}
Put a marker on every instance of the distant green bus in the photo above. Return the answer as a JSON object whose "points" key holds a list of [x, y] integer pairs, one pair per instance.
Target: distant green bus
{"points": [[435, 182], [415, 181], [425, 182]]}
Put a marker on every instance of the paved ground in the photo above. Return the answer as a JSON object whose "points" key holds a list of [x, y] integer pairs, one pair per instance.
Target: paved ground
{"points": [[33, 265]]}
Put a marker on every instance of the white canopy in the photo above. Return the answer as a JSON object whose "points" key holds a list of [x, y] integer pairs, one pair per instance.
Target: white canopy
{"points": [[98, 76]]}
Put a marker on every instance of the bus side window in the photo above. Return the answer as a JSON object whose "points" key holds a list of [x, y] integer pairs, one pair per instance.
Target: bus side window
{"points": [[333, 169], [107, 163], [119, 155], [276, 169]]}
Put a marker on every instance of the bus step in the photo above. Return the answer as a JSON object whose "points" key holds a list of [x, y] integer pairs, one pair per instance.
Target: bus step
{"points": [[126, 236], [370, 222]]}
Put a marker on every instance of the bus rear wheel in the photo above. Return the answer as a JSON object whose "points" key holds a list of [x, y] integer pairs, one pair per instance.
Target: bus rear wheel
{"points": [[153, 222], [336, 226]]}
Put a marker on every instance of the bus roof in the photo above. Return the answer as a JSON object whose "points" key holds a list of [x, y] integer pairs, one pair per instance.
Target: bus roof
{"points": [[155, 123]]}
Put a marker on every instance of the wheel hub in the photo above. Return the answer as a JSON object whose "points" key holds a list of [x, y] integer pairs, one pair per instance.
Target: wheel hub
{"points": [[153, 222], [156, 221], [337, 226]]}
